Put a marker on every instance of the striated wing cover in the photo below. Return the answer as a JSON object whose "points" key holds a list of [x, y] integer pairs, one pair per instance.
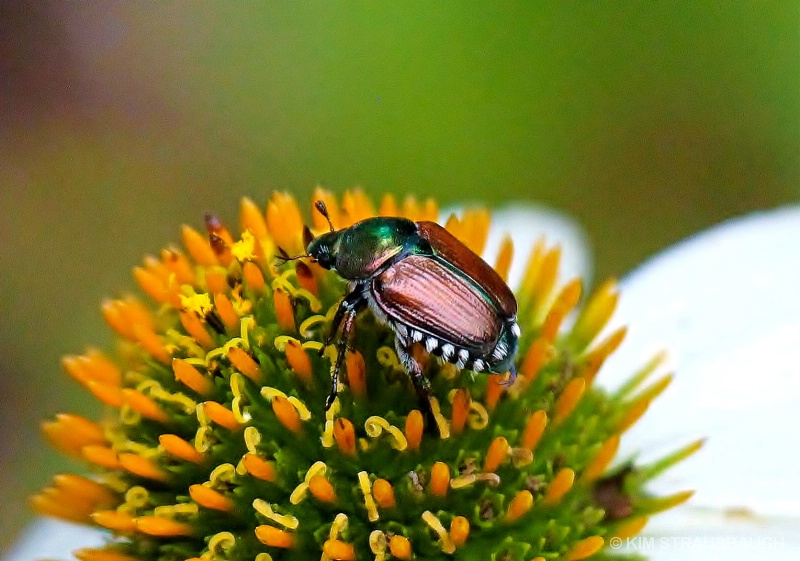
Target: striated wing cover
{"points": [[447, 245], [427, 294]]}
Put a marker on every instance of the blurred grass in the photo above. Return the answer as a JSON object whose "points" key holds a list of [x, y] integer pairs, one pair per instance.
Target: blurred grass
{"points": [[644, 121]]}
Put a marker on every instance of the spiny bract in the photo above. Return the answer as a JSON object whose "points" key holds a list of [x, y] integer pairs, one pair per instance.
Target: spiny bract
{"points": [[217, 445]]}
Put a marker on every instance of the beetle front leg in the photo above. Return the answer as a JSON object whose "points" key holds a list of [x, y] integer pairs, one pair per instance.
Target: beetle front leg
{"points": [[345, 316], [421, 384]]}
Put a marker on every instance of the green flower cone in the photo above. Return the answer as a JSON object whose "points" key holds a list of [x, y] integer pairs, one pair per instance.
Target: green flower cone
{"points": [[216, 444]]}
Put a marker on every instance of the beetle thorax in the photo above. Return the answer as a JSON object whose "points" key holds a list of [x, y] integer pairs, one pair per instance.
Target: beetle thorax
{"points": [[370, 245]]}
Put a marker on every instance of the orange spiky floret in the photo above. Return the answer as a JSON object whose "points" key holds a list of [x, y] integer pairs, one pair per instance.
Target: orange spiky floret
{"points": [[223, 406]]}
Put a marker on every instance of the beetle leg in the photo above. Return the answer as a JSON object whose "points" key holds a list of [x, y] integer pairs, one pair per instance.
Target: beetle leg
{"points": [[345, 316], [421, 383]]}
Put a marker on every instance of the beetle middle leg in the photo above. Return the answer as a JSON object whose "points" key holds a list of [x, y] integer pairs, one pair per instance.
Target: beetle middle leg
{"points": [[421, 384], [345, 316]]}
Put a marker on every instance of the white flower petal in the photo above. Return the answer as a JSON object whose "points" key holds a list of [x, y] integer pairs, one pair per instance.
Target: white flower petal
{"points": [[48, 538], [725, 304], [527, 223]]}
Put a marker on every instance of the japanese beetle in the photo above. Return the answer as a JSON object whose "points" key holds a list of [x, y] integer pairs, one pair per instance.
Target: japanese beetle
{"points": [[431, 289]]}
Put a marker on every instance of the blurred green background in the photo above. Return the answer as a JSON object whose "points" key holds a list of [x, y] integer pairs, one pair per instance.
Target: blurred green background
{"points": [[645, 121]]}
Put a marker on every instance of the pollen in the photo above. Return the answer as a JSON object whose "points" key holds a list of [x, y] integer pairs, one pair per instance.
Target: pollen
{"points": [[440, 479], [286, 414], [220, 439], [400, 547], [298, 360], [259, 468], [245, 364], [339, 550], [560, 486], [209, 498], [179, 448], [345, 436], [191, 377], [383, 492]]}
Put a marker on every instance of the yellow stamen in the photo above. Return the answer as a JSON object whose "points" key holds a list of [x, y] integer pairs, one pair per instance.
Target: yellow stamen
{"points": [[259, 468], [345, 436], [254, 277], [545, 281], [658, 504], [568, 399], [476, 223], [306, 278], [595, 315], [656, 389], [435, 524], [78, 488], [356, 373], [198, 246], [388, 206], [357, 206], [565, 302], [603, 458], [413, 430], [225, 311], [520, 505], [459, 530], [496, 455], [142, 467], [163, 527], [383, 492], [179, 448], [152, 343], [189, 376], [494, 389], [151, 284], [585, 548], [322, 489], [221, 415], [110, 395], [400, 547], [250, 218], [209, 498], [298, 360], [534, 430], [265, 509], [101, 456], [284, 311], [286, 414], [532, 268], [92, 554], [143, 405], [595, 358], [460, 410], [216, 279], [245, 364], [52, 506], [113, 316], [269, 535], [92, 366], [178, 265], [504, 257], [339, 550], [284, 222], [70, 433], [194, 327], [114, 520], [641, 375], [440, 479], [630, 528], [539, 353], [633, 414], [560, 486]]}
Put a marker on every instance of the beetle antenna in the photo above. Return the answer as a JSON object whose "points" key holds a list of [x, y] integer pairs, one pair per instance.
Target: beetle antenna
{"points": [[323, 210], [285, 257]]}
